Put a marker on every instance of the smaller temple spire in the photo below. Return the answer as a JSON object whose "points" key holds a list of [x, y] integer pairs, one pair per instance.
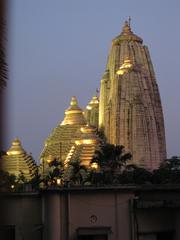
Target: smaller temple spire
{"points": [[74, 101], [74, 114], [16, 148]]}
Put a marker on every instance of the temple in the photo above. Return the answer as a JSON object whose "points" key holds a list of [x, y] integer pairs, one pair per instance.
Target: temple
{"points": [[130, 111]]}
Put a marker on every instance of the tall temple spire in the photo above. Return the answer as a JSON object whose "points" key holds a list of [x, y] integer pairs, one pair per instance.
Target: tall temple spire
{"points": [[130, 111]]}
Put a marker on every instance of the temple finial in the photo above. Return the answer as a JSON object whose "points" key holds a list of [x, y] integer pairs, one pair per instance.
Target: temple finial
{"points": [[129, 21], [126, 28], [74, 101], [97, 92]]}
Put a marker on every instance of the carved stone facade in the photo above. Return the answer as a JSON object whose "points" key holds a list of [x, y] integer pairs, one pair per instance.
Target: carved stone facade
{"points": [[130, 106]]}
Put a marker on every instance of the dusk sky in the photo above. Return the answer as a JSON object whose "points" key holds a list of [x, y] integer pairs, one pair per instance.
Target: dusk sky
{"points": [[59, 48]]}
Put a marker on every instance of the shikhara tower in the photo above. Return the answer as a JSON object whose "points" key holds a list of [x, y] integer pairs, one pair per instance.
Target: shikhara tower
{"points": [[130, 111]]}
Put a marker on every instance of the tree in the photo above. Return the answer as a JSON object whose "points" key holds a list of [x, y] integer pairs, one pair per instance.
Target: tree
{"points": [[56, 170], [7, 181], [36, 179], [133, 174], [169, 172], [111, 159], [75, 173]]}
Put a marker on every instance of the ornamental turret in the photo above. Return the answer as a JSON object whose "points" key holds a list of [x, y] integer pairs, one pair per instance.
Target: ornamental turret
{"points": [[92, 112]]}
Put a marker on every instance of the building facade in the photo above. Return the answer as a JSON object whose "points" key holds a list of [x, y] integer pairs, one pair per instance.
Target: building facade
{"points": [[100, 213]]}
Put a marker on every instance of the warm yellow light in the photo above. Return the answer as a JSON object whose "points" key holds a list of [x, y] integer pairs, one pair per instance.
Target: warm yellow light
{"points": [[58, 181], [94, 165], [49, 159], [13, 152], [85, 141], [125, 67], [88, 107], [120, 72], [12, 186]]}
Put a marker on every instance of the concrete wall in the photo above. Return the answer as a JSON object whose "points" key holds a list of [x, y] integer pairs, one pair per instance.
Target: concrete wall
{"points": [[65, 213], [58, 214], [24, 212]]}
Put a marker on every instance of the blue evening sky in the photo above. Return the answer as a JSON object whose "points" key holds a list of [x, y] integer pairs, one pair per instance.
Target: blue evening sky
{"points": [[59, 48]]}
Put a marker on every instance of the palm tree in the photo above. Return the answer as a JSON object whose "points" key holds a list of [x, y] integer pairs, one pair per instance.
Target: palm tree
{"points": [[111, 160], [56, 171], [75, 173]]}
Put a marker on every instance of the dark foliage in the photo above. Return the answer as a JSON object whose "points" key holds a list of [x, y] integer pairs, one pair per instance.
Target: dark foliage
{"points": [[169, 172], [111, 160], [76, 173], [56, 170], [7, 181], [36, 180], [135, 175]]}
